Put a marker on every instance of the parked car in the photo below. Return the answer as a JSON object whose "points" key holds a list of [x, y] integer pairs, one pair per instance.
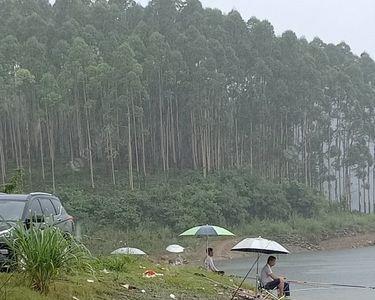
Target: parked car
{"points": [[34, 209]]}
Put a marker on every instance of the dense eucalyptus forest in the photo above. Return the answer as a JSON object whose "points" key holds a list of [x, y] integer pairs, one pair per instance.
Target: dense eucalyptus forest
{"points": [[112, 86]]}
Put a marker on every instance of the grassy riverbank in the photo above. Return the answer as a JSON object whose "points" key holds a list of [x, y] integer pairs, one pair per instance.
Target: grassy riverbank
{"points": [[122, 278], [306, 233]]}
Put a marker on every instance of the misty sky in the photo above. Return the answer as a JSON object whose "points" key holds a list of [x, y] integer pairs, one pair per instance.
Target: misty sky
{"points": [[352, 21]]}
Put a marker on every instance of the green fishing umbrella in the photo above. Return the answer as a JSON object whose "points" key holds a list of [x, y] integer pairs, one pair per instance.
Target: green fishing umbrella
{"points": [[206, 231]]}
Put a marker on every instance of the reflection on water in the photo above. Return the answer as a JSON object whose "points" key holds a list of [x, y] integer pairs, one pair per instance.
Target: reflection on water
{"points": [[353, 267]]}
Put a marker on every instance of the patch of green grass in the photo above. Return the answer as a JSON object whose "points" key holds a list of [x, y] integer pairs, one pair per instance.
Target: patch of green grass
{"points": [[42, 255], [184, 282]]}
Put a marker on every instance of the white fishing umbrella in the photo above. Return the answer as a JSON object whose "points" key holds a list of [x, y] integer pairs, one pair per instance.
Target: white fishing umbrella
{"points": [[175, 249], [260, 246], [128, 251]]}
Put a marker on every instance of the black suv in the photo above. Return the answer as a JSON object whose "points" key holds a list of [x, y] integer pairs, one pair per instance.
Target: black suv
{"points": [[40, 209]]}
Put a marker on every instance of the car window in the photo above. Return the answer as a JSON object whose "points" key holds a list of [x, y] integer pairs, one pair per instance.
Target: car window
{"points": [[11, 210], [58, 207], [35, 208], [47, 207]]}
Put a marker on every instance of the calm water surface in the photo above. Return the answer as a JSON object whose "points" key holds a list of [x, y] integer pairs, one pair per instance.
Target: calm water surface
{"points": [[354, 267]]}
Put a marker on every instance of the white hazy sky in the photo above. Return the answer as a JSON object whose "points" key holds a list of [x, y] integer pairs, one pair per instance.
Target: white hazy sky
{"points": [[352, 21]]}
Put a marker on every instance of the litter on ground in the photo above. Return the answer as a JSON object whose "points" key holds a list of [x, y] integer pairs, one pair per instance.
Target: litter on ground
{"points": [[151, 274]]}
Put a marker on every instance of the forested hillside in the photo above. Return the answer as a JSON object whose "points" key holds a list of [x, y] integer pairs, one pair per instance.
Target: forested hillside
{"points": [[115, 88]]}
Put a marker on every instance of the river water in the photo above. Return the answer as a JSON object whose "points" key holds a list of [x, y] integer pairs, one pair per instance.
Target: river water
{"points": [[353, 267]]}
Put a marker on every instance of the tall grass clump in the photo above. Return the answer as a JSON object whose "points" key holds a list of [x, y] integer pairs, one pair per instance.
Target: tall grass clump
{"points": [[43, 255], [116, 263]]}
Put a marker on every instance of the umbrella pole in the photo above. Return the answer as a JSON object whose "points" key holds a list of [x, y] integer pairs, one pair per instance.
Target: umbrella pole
{"points": [[257, 275], [206, 245], [243, 280]]}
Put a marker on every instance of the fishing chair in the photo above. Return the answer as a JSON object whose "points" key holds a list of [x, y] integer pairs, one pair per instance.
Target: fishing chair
{"points": [[268, 294]]}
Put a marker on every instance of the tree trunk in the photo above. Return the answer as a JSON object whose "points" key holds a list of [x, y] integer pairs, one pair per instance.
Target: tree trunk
{"points": [[28, 152], [14, 143], [359, 195], [19, 143], [173, 134], [162, 143], [207, 138], [87, 113], [2, 162], [251, 148], [112, 158], [236, 141], [51, 145], [79, 126], [329, 164], [135, 135], [41, 150], [305, 148], [178, 133], [130, 158], [368, 190], [193, 139], [71, 148], [143, 148], [203, 145]]}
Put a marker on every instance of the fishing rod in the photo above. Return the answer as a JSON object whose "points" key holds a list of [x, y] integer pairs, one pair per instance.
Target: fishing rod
{"points": [[216, 282], [320, 283], [310, 289], [331, 284]]}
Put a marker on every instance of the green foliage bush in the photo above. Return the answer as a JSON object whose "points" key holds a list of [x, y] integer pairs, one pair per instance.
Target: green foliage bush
{"points": [[304, 201], [228, 198]]}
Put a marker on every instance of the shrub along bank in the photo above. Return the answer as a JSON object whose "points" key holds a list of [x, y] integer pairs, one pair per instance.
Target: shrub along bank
{"points": [[230, 198], [152, 216]]}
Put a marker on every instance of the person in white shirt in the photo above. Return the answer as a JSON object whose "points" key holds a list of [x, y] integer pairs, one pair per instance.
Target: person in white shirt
{"points": [[209, 262], [270, 281]]}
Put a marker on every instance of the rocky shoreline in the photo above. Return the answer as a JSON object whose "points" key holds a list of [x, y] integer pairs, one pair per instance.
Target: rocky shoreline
{"points": [[342, 239]]}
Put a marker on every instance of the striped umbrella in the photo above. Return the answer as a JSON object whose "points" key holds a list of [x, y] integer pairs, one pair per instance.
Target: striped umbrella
{"points": [[206, 230]]}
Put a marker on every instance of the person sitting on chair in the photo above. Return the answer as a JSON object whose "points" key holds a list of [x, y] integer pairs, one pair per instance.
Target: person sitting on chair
{"points": [[209, 262], [270, 281]]}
